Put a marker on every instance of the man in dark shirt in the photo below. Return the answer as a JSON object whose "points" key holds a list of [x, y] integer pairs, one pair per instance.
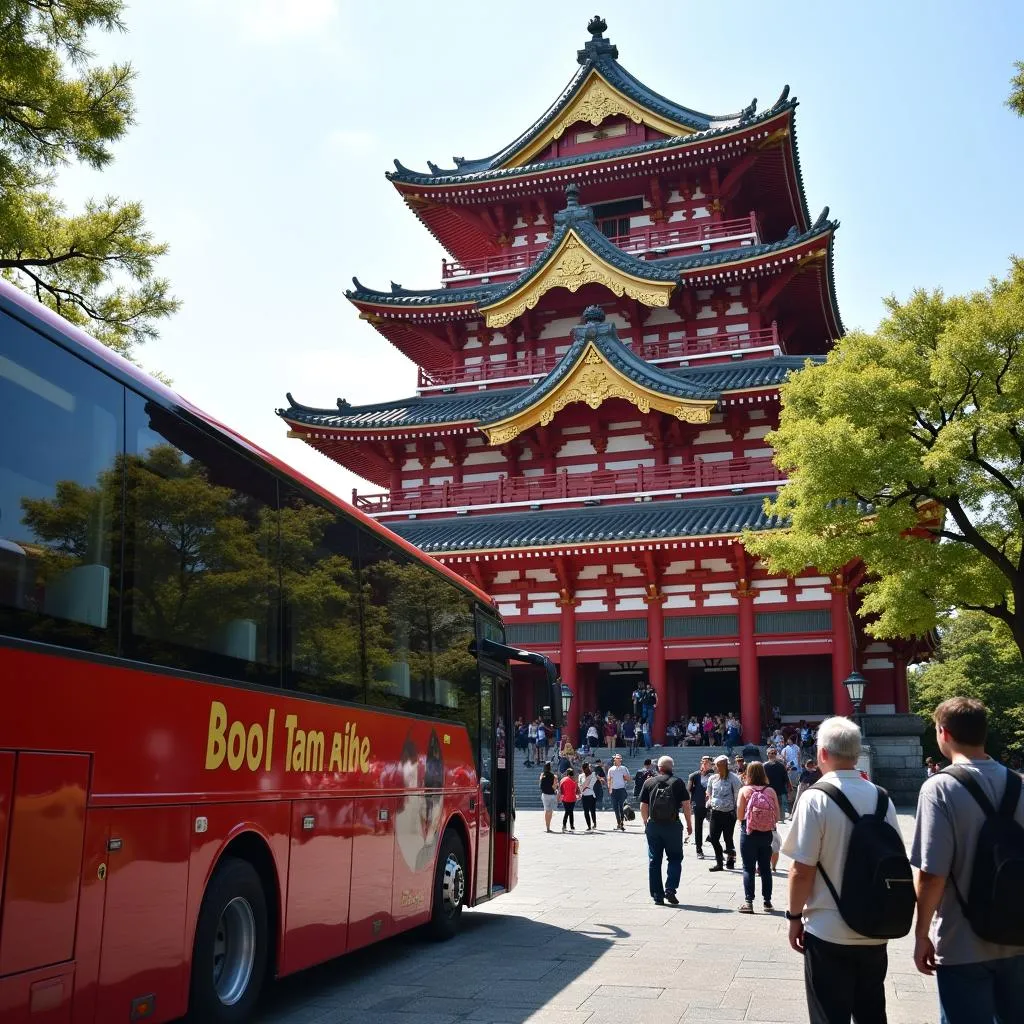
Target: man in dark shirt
{"points": [[777, 779], [641, 777], [661, 800], [699, 799]]}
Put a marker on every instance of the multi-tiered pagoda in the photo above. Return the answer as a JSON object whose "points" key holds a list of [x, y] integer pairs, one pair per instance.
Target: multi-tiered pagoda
{"points": [[625, 288]]}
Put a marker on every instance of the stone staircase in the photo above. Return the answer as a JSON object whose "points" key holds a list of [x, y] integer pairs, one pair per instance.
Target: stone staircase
{"points": [[687, 760]]}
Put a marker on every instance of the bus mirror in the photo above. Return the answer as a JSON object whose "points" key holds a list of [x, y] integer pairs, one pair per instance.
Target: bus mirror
{"points": [[502, 652]]}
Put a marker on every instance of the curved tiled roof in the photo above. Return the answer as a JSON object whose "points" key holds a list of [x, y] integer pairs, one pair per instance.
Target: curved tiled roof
{"points": [[601, 333], [581, 220], [575, 526], [600, 55], [488, 406]]}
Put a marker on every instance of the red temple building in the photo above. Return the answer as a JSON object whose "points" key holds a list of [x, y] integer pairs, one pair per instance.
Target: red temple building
{"points": [[625, 287]]}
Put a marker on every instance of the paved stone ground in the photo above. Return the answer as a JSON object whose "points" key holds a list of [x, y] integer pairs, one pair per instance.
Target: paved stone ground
{"points": [[579, 942]]}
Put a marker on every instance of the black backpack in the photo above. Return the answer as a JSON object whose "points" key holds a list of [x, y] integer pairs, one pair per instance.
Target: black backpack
{"points": [[662, 803], [994, 907], [878, 888]]}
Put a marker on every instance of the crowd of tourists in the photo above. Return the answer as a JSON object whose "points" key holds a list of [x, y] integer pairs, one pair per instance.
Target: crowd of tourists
{"points": [[852, 886]]}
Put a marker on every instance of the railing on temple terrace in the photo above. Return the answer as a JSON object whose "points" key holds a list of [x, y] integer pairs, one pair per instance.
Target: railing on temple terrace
{"points": [[535, 365], [600, 484], [641, 240]]}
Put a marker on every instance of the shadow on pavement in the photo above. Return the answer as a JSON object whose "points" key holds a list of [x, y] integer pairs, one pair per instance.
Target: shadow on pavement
{"points": [[502, 961]]}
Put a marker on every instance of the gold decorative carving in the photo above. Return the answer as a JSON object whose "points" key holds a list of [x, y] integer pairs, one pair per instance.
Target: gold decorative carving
{"points": [[502, 435], [596, 101], [571, 267], [692, 414], [592, 381]]}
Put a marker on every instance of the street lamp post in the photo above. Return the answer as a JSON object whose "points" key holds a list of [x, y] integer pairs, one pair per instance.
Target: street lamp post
{"points": [[567, 696], [855, 685]]}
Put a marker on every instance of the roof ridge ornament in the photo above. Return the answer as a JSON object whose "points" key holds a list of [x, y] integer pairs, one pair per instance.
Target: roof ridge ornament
{"points": [[593, 315], [597, 46]]}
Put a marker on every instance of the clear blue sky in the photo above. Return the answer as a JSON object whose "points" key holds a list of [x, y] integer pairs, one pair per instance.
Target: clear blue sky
{"points": [[265, 128]]}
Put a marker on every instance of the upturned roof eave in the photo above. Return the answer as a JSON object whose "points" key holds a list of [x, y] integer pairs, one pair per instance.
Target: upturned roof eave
{"points": [[403, 177], [651, 271]]}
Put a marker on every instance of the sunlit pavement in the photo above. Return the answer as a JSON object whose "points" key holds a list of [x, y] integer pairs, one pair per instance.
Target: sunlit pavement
{"points": [[580, 942]]}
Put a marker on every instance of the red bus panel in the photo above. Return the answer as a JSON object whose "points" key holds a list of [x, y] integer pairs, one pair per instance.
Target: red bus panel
{"points": [[143, 945], [319, 878], [372, 868], [44, 860], [6, 798]]}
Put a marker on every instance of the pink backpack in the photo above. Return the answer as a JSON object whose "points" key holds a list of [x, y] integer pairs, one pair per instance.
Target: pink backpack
{"points": [[761, 815]]}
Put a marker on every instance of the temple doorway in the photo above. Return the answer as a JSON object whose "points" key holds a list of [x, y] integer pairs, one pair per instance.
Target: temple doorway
{"points": [[714, 688], [615, 686]]}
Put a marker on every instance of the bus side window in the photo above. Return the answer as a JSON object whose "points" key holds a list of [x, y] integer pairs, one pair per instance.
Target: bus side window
{"points": [[201, 588], [418, 628], [60, 493], [322, 642]]}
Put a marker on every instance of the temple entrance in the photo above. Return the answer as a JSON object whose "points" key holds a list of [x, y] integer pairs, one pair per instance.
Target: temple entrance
{"points": [[615, 688], [800, 686], [714, 689]]}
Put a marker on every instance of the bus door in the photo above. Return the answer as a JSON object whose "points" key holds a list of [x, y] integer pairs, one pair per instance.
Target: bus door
{"points": [[495, 819]]}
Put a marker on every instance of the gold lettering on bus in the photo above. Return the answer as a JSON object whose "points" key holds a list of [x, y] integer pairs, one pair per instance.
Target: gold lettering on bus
{"points": [[252, 745]]}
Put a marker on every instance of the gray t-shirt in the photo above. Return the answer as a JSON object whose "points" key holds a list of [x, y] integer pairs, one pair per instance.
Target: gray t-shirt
{"points": [[945, 834]]}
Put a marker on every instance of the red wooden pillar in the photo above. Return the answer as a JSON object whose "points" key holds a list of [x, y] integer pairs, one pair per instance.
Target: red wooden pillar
{"points": [[901, 697], [656, 660], [842, 649], [750, 684], [567, 662]]}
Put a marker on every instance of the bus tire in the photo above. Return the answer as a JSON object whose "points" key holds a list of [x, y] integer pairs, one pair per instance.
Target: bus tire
{"points": [[449, 888], [229, 956]]}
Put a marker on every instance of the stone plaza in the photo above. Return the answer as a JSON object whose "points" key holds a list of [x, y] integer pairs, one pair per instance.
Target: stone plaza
{"points": [[580, 942]]}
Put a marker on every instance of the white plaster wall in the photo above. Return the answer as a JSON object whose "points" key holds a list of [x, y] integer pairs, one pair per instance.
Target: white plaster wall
{"points": [[628, 570], [662, 315], [629, 464], [675, 568], [590, 572], [713, 437], [812, 594], [571, 448], [540, 575], [717, 565], [506, 576], [484, 458], [626, 443], [557, 328], [625, 426]]}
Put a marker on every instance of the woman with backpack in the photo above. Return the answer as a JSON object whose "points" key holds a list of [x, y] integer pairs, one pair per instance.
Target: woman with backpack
{"points": [[757, 807], [548, 796]]}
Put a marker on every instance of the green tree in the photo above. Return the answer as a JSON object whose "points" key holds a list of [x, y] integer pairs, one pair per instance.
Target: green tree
{"points": [[977, 658], [1016, 98], [97, 267], [905, 450]]}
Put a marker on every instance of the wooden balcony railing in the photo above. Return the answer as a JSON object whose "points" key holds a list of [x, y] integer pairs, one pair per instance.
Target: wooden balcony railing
{"points": [[601, 484], [642, 240], [529, 365], [705, 344]]}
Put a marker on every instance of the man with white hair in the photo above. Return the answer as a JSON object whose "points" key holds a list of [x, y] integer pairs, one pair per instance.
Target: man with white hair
{"points": [[844, 971], [661, 800]]}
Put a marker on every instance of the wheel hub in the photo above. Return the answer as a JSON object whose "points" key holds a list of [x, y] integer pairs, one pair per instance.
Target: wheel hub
{"points": [[454, 886], [234, 951]]}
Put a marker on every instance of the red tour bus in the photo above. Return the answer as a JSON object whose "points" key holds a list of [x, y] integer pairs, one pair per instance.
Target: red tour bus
{"points": [[244, 729]]}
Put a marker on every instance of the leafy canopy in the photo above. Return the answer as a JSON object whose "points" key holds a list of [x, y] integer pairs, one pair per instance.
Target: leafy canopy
{"points": [[978, 658], [905, 450], [1016, 98], [96, 267]]}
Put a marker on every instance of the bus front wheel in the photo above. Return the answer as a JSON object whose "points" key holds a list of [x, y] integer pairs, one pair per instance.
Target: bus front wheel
{"points": [[449, 888], [229, 958]]}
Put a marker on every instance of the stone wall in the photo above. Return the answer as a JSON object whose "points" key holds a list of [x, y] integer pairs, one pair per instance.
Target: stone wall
{"points": [[897, 758]]}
